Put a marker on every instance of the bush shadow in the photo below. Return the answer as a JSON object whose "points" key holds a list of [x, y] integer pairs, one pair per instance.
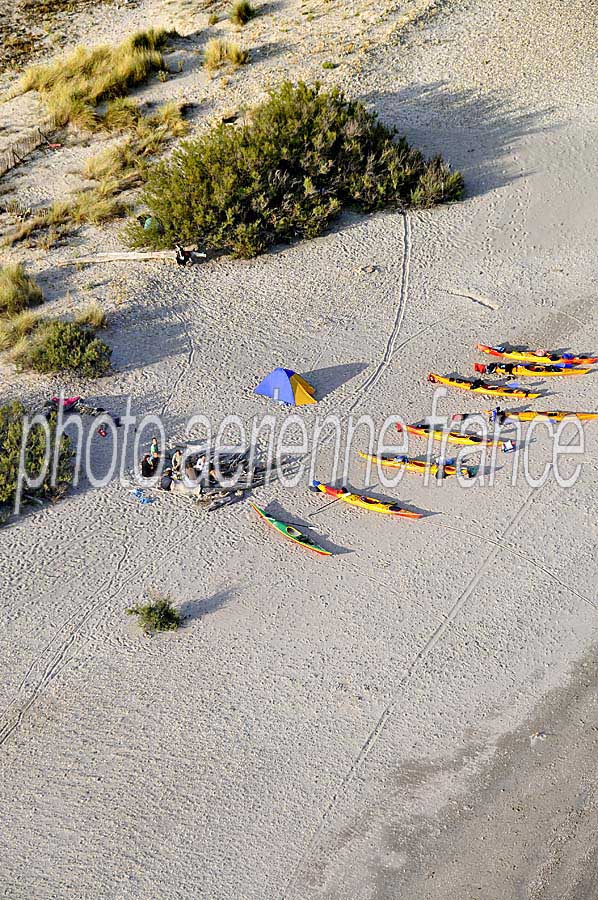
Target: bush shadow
{"points": [[472, 132], [193, 610]]}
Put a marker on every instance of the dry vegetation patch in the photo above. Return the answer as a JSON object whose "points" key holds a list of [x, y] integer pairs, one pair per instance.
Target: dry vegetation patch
{"points": [[74, 86]]}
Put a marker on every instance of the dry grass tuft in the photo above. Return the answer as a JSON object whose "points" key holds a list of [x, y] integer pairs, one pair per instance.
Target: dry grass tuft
{"points": [[116, 169], [241, 12], [92, 315], [17, 328], [18, 290], [219, 53], [74, 86]]}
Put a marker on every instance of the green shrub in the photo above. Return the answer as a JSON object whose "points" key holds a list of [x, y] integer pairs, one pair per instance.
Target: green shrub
{"points": [[303, 155], [329, 65], [158, 614], [18, 290], [241, 12], [11, 436], [64, 346], [74, 86]]}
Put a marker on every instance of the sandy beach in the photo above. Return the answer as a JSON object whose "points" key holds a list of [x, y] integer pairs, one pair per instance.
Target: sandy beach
{"points": [[416, 715]]}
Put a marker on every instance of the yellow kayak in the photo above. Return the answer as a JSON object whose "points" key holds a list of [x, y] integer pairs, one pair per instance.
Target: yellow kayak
{"points": [[537, 356], [482, 387], [419, 466], [529, 371], [556, 415], [452, 437], [380, 506]]}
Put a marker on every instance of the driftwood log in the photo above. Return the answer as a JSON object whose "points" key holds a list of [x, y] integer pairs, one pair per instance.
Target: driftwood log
{"points": [[131, 256]]}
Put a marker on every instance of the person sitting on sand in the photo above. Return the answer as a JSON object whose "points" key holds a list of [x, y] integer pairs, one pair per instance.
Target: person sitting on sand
{"points": [[190, 473], [147, 469], [166, 480], [177, 458], [155, 461]]}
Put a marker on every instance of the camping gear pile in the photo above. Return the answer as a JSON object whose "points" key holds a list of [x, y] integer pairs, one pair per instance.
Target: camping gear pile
{"points": [[246, 471]]}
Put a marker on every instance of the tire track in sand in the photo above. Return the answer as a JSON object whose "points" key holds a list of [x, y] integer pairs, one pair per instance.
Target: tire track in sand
{"points": [[390, 348], [289, 891], [53, 658], [185, 368]]}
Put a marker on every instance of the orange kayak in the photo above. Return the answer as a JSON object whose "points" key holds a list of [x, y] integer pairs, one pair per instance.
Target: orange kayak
{"points": [[536, 356], [556, 415], [512, 369]]}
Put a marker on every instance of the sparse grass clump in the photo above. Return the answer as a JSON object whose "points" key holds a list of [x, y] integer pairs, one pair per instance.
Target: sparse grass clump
{"points": [[241, 12], [212, 18], [92, 315], [63, 346], [303, 155], [17, 327], [219, 53], [74, 86], [158, 614], [116, 169], [18, 290], [11, 436]]}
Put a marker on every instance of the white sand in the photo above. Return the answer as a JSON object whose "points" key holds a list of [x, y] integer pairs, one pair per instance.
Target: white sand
{"points": [[313, 713]]}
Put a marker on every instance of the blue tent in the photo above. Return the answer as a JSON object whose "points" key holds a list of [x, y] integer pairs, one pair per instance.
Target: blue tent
{"points": [[286, 386]]}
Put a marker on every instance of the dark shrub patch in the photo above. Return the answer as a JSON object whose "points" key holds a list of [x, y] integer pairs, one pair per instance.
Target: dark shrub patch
{"points": [[11, 436], [304, 154], [60, 346], [158, 614]]}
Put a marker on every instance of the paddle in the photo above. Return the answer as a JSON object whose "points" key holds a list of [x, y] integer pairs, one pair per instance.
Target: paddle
{"points": [[326, 505]]}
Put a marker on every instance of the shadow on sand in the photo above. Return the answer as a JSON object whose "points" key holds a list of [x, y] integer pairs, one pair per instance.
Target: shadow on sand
{"points": [[329, 379], [193, 610]]}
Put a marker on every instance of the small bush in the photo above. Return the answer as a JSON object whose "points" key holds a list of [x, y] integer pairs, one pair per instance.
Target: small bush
{"points": [[329, 65], [212, 18], [64, 346], [74, 86], [11, 437], [286, 173], [242, 11], [220, 53], [93, 316], [18, 290], [158, 614]]}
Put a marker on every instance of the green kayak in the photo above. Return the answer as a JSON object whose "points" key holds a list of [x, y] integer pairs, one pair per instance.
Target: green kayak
{"points": [[290, 532]]}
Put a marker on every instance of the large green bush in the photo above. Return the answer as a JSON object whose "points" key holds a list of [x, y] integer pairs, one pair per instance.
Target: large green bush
{"points": [[60, 346], [303, 155], [11, 436], [18, 290]]}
